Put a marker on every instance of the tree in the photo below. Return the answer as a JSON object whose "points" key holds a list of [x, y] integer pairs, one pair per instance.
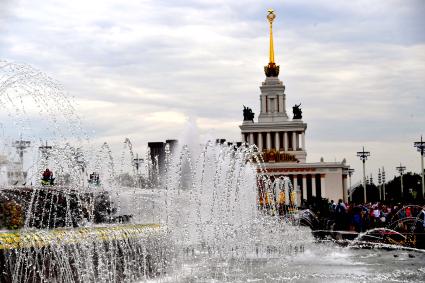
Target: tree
{"points": [[372, 193], [412, 189]]}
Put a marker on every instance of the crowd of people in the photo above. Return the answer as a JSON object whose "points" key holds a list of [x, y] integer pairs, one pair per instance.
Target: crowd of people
{"points": [[363, 217]]}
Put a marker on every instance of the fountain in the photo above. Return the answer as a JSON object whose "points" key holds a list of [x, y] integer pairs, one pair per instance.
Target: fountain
{"points": [[209, 215]]}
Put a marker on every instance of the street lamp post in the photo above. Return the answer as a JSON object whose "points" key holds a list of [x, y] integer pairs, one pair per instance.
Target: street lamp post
{"points": [[383, 182], [421, 147], [350, 172], [45, 150], [137, 162], [401, 170], [363, 157], [379, 183], [21, 147], [79, 159]]}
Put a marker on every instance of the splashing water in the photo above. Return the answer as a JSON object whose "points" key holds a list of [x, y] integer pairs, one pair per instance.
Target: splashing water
{"points": [[198, 219], [35, 105]]}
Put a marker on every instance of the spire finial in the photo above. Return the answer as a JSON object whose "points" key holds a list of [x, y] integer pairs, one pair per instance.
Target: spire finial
{"points": [[270, 17], [271, 70]]}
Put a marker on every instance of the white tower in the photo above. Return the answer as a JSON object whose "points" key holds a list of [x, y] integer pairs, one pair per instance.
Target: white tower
{"points": [[278, 137], [272, 100]]}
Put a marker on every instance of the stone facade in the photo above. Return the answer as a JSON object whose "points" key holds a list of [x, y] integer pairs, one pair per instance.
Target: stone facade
{"points": [[281, 141]]}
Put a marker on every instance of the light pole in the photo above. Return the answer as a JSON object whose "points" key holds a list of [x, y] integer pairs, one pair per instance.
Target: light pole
{"points": [[350, 172], [379, 183], [79, 159], [136, 163], [421, 146], [21, 146], [45, 150], [383, 182], [363, 157], [401, 170]]}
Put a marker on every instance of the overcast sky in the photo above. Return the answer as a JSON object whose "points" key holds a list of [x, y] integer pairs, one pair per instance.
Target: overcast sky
{"points": [[140, 69]]}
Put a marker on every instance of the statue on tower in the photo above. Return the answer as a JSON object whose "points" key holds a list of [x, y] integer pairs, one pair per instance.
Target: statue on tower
{"points": [[298, 113], [271, 70], [248, 115]]}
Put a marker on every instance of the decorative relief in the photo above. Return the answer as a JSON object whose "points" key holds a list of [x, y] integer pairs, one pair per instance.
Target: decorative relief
{"points": [[275, 156]]}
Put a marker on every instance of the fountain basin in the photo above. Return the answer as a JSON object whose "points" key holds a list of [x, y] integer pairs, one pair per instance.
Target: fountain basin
{"points": [[112, 253], [42, 238]]}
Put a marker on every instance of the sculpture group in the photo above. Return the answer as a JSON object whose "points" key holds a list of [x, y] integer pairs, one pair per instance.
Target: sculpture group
{"points": [[248, 115], [297, 111]]}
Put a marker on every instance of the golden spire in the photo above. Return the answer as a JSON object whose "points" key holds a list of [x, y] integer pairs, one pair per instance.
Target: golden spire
{"points": [[270, 17], [271, 70]]}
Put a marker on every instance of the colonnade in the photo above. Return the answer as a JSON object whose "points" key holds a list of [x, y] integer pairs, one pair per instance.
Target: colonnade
{"points": [[310, 185], [280, 140]]}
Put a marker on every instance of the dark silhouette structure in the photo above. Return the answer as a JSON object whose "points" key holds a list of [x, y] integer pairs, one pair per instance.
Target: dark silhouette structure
{"points": [[298, 114], [248, 115]]}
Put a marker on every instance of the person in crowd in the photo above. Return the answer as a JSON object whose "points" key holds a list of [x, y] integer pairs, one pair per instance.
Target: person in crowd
{"points": [[47, 177], [376, 215], [423, 217], [331, 218], [357, 219], [408, 212], [332, 207], [340, 216]]}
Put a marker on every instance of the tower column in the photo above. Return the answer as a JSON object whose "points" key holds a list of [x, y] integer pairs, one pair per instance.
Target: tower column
{"points": [[305, 186], [344, 188], [277, 140], [285, 141], [263, 103], [282, 103], [268, 140], [297, 139], [251, 138], [260, 142], [295, 184], [294, 142], [313, 185], [323, 185], [303, 140]]}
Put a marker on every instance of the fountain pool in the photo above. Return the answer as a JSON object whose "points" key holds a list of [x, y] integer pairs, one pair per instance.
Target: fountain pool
{"points": [[319, 262]]}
